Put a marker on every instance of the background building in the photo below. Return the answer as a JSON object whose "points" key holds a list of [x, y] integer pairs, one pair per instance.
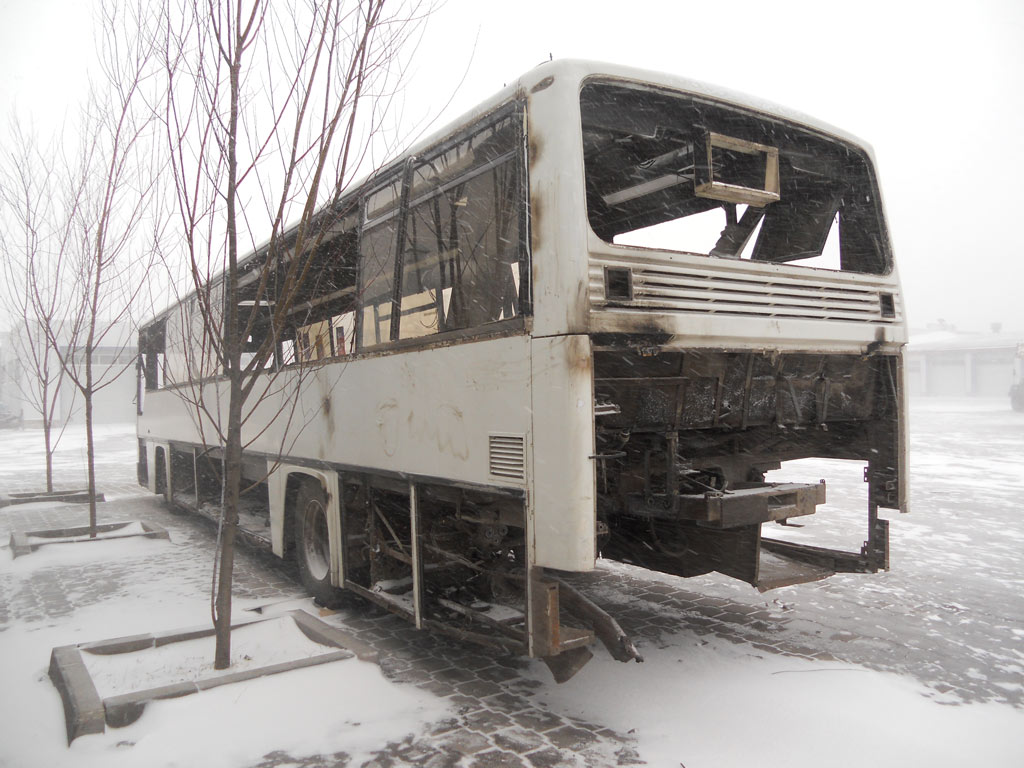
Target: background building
{"points": [[113, 362], [944, 362]]}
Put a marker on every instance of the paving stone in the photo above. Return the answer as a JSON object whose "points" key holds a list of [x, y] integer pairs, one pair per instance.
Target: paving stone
{"points": [[476, 662], [538, 720], [573, 739], [443, 759], [549, 757], [437, 687], [628, 756], [486, 720], [464, 742], [499, 674], [454, 675], [417, 752], [478, 688], [495, 758], [444, 726], [506, 702], [519, 740], [466, 703]]}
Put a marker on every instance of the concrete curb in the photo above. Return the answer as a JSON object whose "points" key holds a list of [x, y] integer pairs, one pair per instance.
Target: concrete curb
{"points": [[83, 709], [68, 497], [325, 634], [85, 712], [21, 543]]}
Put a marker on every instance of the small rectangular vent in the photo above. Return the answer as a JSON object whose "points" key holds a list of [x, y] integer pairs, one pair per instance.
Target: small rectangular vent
{"points": [[618, 284], [507, 456], [887, 304]]}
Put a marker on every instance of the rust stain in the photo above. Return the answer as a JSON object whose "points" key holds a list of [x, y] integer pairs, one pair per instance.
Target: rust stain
{"points": [[325, 408], [545, 83], [536, 218], [578, 355]]}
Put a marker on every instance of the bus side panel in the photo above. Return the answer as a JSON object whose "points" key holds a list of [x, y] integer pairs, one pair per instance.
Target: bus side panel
{"points": [[423, 412], [563, 521]]}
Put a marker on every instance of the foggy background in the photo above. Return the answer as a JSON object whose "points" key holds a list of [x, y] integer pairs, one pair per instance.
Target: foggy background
{"points": [[936, 87]]}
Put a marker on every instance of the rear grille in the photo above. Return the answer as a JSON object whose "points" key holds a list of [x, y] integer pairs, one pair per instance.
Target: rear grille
{"points": [[507, 456], [720, 289]]}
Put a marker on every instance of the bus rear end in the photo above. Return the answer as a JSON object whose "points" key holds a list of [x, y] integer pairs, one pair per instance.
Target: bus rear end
{"points": [[743, 311]]}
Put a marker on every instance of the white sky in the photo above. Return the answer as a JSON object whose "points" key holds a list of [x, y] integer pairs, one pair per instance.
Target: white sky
{"points": [[937, 87]]}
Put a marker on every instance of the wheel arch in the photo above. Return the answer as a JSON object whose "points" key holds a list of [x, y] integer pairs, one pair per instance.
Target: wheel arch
{"points": [[158, 456], [283, 482]]}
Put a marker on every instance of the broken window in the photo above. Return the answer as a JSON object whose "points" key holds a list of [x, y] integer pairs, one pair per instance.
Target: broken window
{"points": [[464, 256], [151, 353], [191, 349], [377, 262], [680, 172], [322, 316]]}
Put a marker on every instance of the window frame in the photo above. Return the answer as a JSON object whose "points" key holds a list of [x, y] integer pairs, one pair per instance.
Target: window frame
{"points": [[879, 232], [405, 172], [401, 172]]}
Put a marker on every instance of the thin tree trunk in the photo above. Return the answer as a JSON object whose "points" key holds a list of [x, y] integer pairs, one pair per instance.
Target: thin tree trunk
{"points": [[232, 346], [90, 453], [49, 452], [229, 525]]}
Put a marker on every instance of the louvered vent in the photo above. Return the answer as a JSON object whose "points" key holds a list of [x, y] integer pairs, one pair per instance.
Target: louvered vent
{"points": [[659, 284], [508, 456]]}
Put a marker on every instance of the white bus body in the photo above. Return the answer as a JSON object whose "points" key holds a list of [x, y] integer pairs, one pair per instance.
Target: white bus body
{"points": [[550, 392]]}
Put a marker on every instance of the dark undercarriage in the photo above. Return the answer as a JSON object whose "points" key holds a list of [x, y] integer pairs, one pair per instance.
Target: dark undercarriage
{"points": [[684, 439]]}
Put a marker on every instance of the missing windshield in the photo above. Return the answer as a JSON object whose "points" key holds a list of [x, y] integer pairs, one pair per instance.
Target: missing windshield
{"points": [[671, 171]]}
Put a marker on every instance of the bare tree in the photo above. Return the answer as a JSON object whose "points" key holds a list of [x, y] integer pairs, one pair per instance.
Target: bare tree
{"points": [[30, 234], [85, 221], [269, 115], [111, 216]]}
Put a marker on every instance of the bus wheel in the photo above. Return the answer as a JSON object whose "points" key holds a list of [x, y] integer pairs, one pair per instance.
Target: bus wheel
{"points": [[313, 545]]}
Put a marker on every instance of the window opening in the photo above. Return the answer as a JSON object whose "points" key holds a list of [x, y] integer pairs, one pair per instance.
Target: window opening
{"points": [[464, 250], [377, 263], [151, 351], [327, 295], [677, 172]]}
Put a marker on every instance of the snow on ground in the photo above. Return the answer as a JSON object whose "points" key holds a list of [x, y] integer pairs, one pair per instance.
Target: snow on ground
{"points": [[65, 553], [260, 644], [952, 607], [129, 529], [116, 450], [720, 705], [930, 655], [345, 706]]}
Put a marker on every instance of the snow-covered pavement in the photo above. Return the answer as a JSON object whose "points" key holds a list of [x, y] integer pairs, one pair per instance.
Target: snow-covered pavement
{"points": [[923, 665]]}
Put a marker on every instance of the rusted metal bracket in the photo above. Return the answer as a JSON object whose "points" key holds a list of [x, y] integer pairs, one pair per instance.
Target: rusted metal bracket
{"points": [[564, 648], [550, 637], [873, 555], [607, 629]]}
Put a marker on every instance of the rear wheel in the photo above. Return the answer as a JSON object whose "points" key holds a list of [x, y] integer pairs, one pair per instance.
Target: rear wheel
{"points": [[313, 545]]}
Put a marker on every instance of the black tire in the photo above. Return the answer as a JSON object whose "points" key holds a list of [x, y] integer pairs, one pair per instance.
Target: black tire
{"points": [[312, 546]]}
